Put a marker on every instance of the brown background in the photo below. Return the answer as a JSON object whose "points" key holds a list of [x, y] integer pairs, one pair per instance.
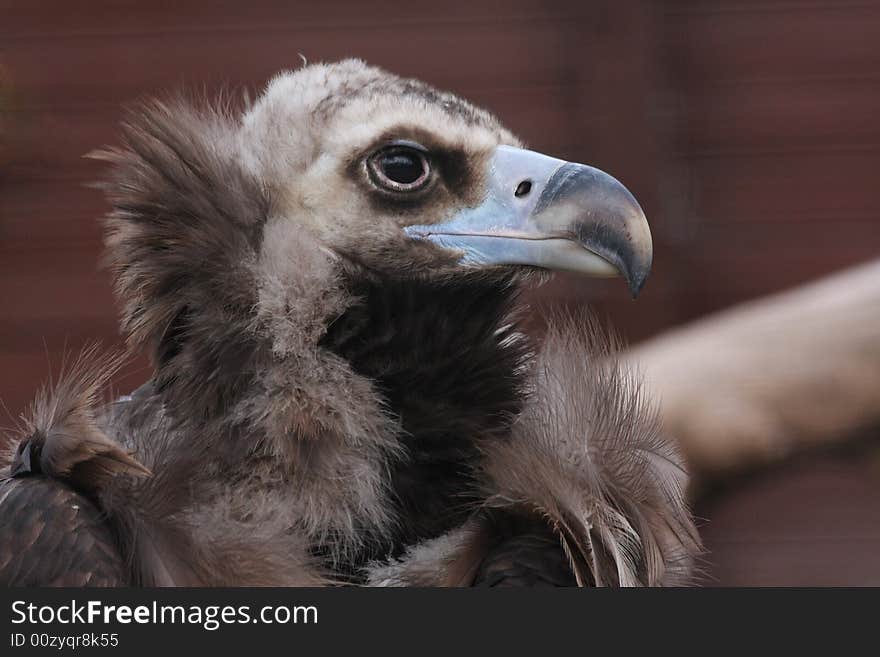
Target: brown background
{"points": [[748, 130]]}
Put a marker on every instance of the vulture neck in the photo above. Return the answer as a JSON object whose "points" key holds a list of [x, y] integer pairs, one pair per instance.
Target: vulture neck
{"points": [[447, 358], [452, 347]]}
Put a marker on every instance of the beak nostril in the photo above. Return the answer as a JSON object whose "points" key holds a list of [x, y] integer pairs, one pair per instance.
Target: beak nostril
{"points": [[523, 189]]}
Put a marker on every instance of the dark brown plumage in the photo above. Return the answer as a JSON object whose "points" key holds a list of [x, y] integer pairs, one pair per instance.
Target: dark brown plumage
{"points": [[340, 394], [53, 536]]}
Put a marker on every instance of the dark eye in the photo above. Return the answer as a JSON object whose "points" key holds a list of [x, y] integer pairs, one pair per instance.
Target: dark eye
{"points": [[400, 168]]}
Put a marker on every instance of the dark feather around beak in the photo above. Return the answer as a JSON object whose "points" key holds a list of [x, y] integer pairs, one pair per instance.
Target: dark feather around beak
{"points": [[545, 212]]}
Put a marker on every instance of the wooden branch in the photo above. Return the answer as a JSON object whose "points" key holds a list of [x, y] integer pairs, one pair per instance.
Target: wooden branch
{"points": [[754, 383]]}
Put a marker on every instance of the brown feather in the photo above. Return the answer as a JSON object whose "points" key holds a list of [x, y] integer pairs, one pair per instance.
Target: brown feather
{"points": [[53, 536], [586, 461], [588, 454]]}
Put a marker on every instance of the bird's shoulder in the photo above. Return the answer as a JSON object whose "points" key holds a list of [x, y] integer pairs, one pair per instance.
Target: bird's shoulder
{"points": [[54, 536]]}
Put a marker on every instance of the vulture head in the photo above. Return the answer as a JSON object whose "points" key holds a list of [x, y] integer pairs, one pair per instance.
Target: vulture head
{"points": [[397, 178], [345, 204]]}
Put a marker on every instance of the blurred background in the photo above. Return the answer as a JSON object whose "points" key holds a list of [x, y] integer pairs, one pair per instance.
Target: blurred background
{"points": [[749, 130]]}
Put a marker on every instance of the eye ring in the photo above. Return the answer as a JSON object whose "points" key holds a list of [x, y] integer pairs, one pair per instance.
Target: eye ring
{"points": [[400, 167]]}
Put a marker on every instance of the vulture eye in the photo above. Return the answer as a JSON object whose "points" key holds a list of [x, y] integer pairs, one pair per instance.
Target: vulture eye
{"points": [[401, 167]]}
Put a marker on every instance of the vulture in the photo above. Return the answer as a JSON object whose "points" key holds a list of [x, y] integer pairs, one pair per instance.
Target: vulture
{"points": [[327, 281]]}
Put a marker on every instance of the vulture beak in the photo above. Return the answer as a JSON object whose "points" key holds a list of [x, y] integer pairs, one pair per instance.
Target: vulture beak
{"points": [[550, 213]]}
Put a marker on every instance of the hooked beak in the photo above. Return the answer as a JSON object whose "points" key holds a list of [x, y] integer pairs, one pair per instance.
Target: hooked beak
{"points": [[545, 212]]}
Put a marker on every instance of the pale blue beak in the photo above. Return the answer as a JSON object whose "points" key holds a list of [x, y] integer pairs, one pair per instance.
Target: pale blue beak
{"points": [[544, 212]]}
